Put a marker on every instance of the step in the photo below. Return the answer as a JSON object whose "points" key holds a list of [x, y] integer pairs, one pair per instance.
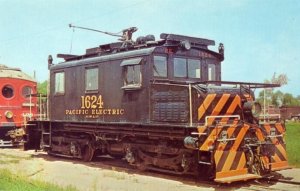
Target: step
{"points": [[242, 177], [5, 143]]}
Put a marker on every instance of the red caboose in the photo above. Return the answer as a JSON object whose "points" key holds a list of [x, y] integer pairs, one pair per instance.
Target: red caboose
{"points": [[16, 104]]}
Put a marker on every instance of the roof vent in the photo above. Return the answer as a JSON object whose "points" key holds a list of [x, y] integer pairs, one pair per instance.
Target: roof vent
{"points": [[141, 40], [150, 37]]}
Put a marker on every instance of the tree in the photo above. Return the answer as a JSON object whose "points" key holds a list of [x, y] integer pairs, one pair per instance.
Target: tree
{"points": [[268, 97], [42, 87], [289, 100], [281, 79], [277, 98]]}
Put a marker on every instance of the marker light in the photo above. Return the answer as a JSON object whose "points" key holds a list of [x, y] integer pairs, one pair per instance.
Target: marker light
{"points": [[9, 114], [252, 107], [185, 44]]}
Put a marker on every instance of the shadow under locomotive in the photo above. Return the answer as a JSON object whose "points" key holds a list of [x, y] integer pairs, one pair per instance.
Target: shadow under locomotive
{"points": [[110, 163]]}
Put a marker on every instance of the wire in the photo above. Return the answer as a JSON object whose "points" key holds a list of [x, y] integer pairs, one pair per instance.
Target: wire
{"points": [[59, 26], [72, 40]]}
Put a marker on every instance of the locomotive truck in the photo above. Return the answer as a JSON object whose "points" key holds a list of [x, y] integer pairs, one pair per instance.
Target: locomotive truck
{"points": [[160, 105]]}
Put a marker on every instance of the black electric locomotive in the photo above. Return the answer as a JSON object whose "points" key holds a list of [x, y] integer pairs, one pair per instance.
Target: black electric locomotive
{"points": [[162, 106]]}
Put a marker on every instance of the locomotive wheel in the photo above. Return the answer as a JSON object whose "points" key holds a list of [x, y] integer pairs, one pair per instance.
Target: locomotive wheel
{"points": [[88, 153]]}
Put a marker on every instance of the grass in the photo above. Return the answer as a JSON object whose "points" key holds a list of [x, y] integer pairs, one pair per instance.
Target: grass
{"points": [[8, 158], [11, 182], [293, 143]]}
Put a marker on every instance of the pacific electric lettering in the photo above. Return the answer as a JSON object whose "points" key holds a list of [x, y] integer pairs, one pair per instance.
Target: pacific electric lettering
{"points": [[95, 111], [93, 106]]}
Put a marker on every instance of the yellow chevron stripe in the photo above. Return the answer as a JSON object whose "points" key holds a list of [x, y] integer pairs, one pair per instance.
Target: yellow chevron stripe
{"points": [[206, 103], [242, 161], [201, 129], [276, 158], [210, 139], [240, 137], [279, 127], [282, 150], [236, 102], [229, 160], [259, 134], [222, 146], [219, 106], [230, 131], [231, 156], [217, 156], [234, 148]]}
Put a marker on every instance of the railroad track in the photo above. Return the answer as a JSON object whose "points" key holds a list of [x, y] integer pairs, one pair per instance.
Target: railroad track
{"points": [[272, 183], [265, 183]]}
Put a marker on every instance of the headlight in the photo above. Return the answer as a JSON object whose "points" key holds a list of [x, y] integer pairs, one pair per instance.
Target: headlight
{"points": [[9, 114], [251, 107]]}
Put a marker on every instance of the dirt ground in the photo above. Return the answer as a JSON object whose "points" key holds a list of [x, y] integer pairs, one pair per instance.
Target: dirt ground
{"points": [[104, 175]]}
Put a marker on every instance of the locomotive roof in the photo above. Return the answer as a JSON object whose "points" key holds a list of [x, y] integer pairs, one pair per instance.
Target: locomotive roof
{"points": [[7, 72], [117, 50], [103, 58]]}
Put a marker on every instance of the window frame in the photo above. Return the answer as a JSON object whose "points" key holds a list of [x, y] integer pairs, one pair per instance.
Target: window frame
{"points": [[64, 83], [200, 67], [187, 59], [27, 95], [215, 72], [86, 80], [166, 66], [13, 91], [125, 64], [186, 69]]}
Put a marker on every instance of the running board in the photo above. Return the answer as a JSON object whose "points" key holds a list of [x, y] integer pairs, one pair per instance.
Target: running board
{"points": [[242, 177], [6, 143]]}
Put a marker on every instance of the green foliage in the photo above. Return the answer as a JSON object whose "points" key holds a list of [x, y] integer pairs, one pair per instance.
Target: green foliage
{"points": [[42, 87], [290, 100], [293, 143], [11, 182], [278, 98]]}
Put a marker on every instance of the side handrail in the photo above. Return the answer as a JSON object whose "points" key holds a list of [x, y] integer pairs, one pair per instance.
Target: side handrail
{"points": [[221, 117]]}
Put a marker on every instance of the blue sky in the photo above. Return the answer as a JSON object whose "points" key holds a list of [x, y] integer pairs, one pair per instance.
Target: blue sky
{"points": [[260, 37]]}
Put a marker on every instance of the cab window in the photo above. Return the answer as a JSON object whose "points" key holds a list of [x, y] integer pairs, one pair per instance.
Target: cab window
{"points": [[211, 72], [59, 83], [194, 68], [132, 72], [190, 68], [133, 75], [180, 67], [91, 79], [160, 66]]}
